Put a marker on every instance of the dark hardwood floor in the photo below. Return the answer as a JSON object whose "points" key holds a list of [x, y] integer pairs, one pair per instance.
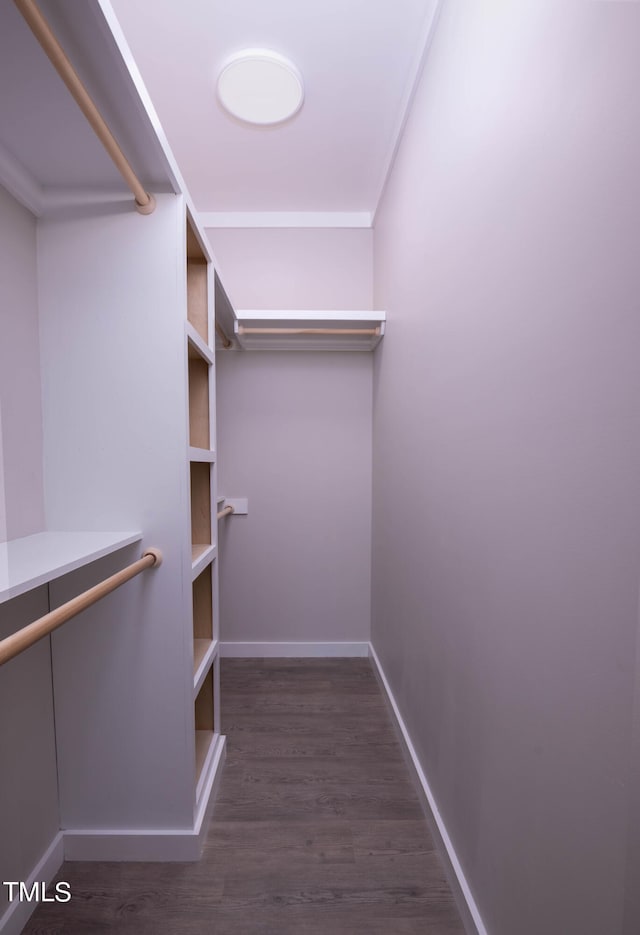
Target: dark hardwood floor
{"points": [[316, 830]]}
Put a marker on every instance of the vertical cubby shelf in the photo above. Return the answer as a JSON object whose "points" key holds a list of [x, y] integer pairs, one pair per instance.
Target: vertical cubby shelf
{"points": [[199, 409], [204, 721], [202, 476], [197, 297], [203, 636], [200, 507]]}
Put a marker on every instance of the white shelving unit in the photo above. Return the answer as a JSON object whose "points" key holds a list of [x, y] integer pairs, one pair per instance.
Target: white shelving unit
{"points": [[126, 308], [34, 560], [200, 344]]}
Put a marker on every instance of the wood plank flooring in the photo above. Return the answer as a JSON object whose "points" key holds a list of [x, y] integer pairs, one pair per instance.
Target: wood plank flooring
{"points": [[317, 829]]}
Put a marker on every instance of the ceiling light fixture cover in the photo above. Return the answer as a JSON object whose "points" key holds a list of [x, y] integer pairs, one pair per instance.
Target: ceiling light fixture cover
{"points": [[260, 87]]}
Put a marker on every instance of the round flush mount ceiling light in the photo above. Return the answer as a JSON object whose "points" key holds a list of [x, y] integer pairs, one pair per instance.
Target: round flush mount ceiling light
{"points": [[260, 87]]}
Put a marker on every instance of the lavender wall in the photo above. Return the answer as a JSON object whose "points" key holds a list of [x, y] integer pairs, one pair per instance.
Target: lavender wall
{"points": [[294, 435], [507, 412], [286, 268], [3, 505], [22, 510]]}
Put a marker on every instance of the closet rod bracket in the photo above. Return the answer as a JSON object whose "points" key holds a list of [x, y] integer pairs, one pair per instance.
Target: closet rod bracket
{"points": [[156, 554], [147, 208]]}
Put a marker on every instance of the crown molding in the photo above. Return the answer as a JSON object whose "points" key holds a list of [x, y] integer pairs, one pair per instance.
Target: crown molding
{"points": [[20, 183], [286, 219]]}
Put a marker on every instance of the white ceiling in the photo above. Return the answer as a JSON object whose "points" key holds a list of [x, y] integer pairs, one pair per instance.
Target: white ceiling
{"points": [[359, 60]]}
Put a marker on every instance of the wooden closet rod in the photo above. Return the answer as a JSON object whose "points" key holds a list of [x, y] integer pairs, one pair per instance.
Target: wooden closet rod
{"points": [[145, 203], [223, 336], [227, 511], [363, 332], [27, 636]]}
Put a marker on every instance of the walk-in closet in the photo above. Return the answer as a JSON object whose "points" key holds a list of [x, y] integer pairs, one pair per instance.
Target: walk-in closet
{"points": [[319, 459], [111, 726]]}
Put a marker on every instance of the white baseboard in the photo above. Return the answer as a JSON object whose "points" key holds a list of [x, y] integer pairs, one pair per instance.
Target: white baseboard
{"points": [[464, 898], [119, 845], [19, 913], [293, 650], [151, 844], [148, 845]]}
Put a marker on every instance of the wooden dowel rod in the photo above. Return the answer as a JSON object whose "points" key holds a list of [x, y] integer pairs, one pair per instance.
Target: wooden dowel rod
{"points": [[27, 636], [145, 203], [222, 335], [227, 511], [362, 332]]}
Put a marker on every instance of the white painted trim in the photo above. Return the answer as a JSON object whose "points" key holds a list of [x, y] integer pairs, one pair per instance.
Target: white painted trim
{"points": [[117, 35], [204, 455], [125, 845], [20, 183], [415, 73], [205, 665], [293, 650], [311, 315], [204, 805], [18, 914], [162, 844], [472, 918], [312, 219], [58, 199], [197, 342], [211, 756]]}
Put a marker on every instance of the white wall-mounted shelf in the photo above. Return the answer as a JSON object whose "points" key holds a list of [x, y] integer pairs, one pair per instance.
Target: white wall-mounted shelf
{"points": [[305, 330], [35, 560]]}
